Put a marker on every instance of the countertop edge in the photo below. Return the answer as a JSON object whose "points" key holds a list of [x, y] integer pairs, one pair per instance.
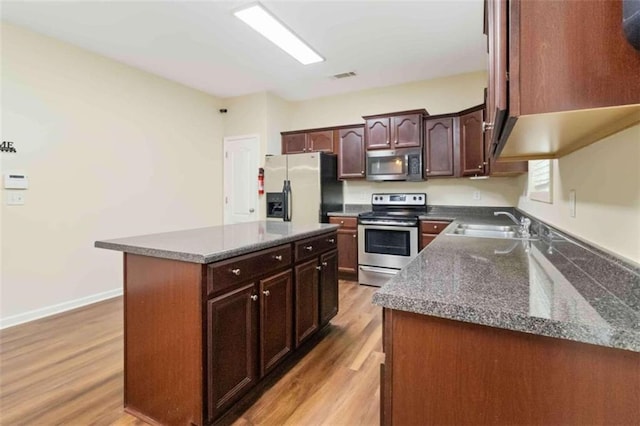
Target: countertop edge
{"points": [[537, 326], [212, 257]]}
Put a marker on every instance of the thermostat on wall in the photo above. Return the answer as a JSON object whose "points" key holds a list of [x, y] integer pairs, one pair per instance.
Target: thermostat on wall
{"points": [[15, 181]]}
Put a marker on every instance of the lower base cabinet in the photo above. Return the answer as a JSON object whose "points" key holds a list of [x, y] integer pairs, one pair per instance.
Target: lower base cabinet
{"points": [[307, 319], [199, 337], [439, 371]]}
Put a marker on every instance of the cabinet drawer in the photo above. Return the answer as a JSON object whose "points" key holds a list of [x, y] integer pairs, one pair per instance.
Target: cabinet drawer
{"points": [[314, 246], [228, 273], [432, 226], [344, 222]]}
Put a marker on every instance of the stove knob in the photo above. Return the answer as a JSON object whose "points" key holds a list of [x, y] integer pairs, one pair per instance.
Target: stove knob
{"points": [[414, 198]]}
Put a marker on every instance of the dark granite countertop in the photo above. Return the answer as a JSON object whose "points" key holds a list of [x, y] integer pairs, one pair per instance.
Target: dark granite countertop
{"points": [[554, 286], [205, 245]]}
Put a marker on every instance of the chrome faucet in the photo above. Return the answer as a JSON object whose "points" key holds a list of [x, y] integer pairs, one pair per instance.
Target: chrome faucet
{"points": [[524, 223]]}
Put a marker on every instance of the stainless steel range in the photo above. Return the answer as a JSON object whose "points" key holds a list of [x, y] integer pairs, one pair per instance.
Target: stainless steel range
{"points": [[388, 236]]}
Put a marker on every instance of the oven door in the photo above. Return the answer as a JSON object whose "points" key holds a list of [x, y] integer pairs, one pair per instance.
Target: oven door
{"points": [[387, 246]]}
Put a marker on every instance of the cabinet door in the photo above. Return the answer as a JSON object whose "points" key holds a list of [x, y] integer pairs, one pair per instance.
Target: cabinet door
{"points": [[348, 251], [276, 320], [377, 133], [328, 286], [438, 148], [472, 144], [306, 285], [406, 131], [320, 141], [351, 154], [231, 347], [496, 17], [294, 143]]}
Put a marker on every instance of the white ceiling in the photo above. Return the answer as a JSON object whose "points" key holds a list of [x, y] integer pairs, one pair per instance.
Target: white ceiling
{"points": [[202, 45]]}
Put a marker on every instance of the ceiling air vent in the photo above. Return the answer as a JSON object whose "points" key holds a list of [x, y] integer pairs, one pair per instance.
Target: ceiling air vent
{"points": [[345, 75]]}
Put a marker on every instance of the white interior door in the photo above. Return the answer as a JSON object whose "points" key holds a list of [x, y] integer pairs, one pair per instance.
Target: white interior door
{"points": [[241, 178]]}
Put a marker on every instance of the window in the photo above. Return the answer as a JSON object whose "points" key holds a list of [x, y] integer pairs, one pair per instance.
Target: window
{"points": [[540, 179]]}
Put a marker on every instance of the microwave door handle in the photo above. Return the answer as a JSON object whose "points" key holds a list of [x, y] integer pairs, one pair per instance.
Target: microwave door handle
{"points": [[406, 165]]}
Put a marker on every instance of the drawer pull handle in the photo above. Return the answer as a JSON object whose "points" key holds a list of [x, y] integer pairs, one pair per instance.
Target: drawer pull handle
{"points": [[435, 226], [319, 268], [355, 235], [324, 263], [342, 222], [308, 248], [254, 297], [235, 272], [331, 240], [277, 257], [266, 292]]}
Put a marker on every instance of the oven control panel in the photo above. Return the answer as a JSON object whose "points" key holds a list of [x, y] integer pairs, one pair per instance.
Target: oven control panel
{"points": [[399, 199]]}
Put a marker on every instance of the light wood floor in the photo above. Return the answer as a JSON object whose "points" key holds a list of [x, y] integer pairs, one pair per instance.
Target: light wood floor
{"points": [[68, 369]]}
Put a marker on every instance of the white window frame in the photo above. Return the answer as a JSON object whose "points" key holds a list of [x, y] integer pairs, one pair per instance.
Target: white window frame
{"points": [[540, 182]]}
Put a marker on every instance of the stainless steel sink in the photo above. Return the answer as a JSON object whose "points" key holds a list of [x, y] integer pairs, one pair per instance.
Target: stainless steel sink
{"points": [[487, 231]]}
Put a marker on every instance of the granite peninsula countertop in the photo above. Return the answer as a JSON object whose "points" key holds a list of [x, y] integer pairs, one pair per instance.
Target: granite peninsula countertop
{"points": [[554, 286], [210, 244]]}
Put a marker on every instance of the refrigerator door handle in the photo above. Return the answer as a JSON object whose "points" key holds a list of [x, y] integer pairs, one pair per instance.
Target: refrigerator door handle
{"points": [[285, 205], [289, 200]]}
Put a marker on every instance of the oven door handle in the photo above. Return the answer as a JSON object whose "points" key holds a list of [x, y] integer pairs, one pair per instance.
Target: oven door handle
{"points": [[379, 270], [373, 225]]}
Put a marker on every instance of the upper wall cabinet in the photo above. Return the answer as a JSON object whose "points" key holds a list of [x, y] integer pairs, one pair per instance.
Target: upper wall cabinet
{"points": [[351, 153], [394, 130], [439, 149], [320, 140], [472, 153], [561, 76]]}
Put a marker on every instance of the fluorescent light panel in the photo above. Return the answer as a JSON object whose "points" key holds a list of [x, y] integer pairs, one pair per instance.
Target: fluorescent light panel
{"points": [[264, 23]]}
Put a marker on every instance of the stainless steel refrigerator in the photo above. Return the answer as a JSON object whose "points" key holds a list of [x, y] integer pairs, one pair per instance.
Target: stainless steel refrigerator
{"points": [[302, 188]]}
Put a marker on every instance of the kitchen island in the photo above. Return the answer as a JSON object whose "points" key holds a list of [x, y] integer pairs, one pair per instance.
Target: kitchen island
{"points": [[209, 312], [501, 331]]}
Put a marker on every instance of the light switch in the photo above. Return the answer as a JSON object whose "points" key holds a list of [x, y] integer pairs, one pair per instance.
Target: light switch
{"points": [[15, 198], [476, 195], [572, 203]]}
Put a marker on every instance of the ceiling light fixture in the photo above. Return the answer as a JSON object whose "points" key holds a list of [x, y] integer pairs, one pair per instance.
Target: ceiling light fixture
{"points": [[263, 22]]}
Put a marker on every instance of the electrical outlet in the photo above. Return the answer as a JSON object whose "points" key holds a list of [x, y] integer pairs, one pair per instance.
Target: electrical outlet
{"points": [[15, 198], [572, 203], [477, 195]]}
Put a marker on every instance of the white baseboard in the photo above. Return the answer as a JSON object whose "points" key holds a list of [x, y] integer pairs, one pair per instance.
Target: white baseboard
{"points": [[56, 309]]}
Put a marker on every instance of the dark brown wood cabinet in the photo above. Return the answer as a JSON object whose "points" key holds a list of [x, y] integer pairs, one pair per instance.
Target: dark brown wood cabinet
{"points": [[504, 377], [300, 141], [306, 299], [351, 160], [394, 130], [472, 155], [232, 350], [429, 230], [328, 286], [198, 337], [347, 246], [439, 147], [294, 143], [276, 319], [568, 57]]}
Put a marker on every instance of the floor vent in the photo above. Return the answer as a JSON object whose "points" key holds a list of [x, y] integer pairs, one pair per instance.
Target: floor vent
{"points": [[345, 75]]}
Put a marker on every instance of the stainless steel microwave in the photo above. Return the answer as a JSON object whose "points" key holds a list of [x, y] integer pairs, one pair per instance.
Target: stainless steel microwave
{"points": [[395, 164]]}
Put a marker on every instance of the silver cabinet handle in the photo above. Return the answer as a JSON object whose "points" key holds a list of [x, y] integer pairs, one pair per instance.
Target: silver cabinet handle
{"points": [[308, 248], [319, 268], [277, 257], [486, 126], [435, 226], [266, 292], [427, 170], [235, 272], [331, 240], [342, 222], [324, 263], [254, 297], [355, 235], [362, 172], [480, 166], [388, 143]]}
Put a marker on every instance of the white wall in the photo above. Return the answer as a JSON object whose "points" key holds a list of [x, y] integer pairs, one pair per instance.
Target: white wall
{"points": [[606, 178], [110, 151]]}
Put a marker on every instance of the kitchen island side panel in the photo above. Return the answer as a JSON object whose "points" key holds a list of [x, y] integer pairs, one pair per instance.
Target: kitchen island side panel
{"points": [[163, 339]]}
